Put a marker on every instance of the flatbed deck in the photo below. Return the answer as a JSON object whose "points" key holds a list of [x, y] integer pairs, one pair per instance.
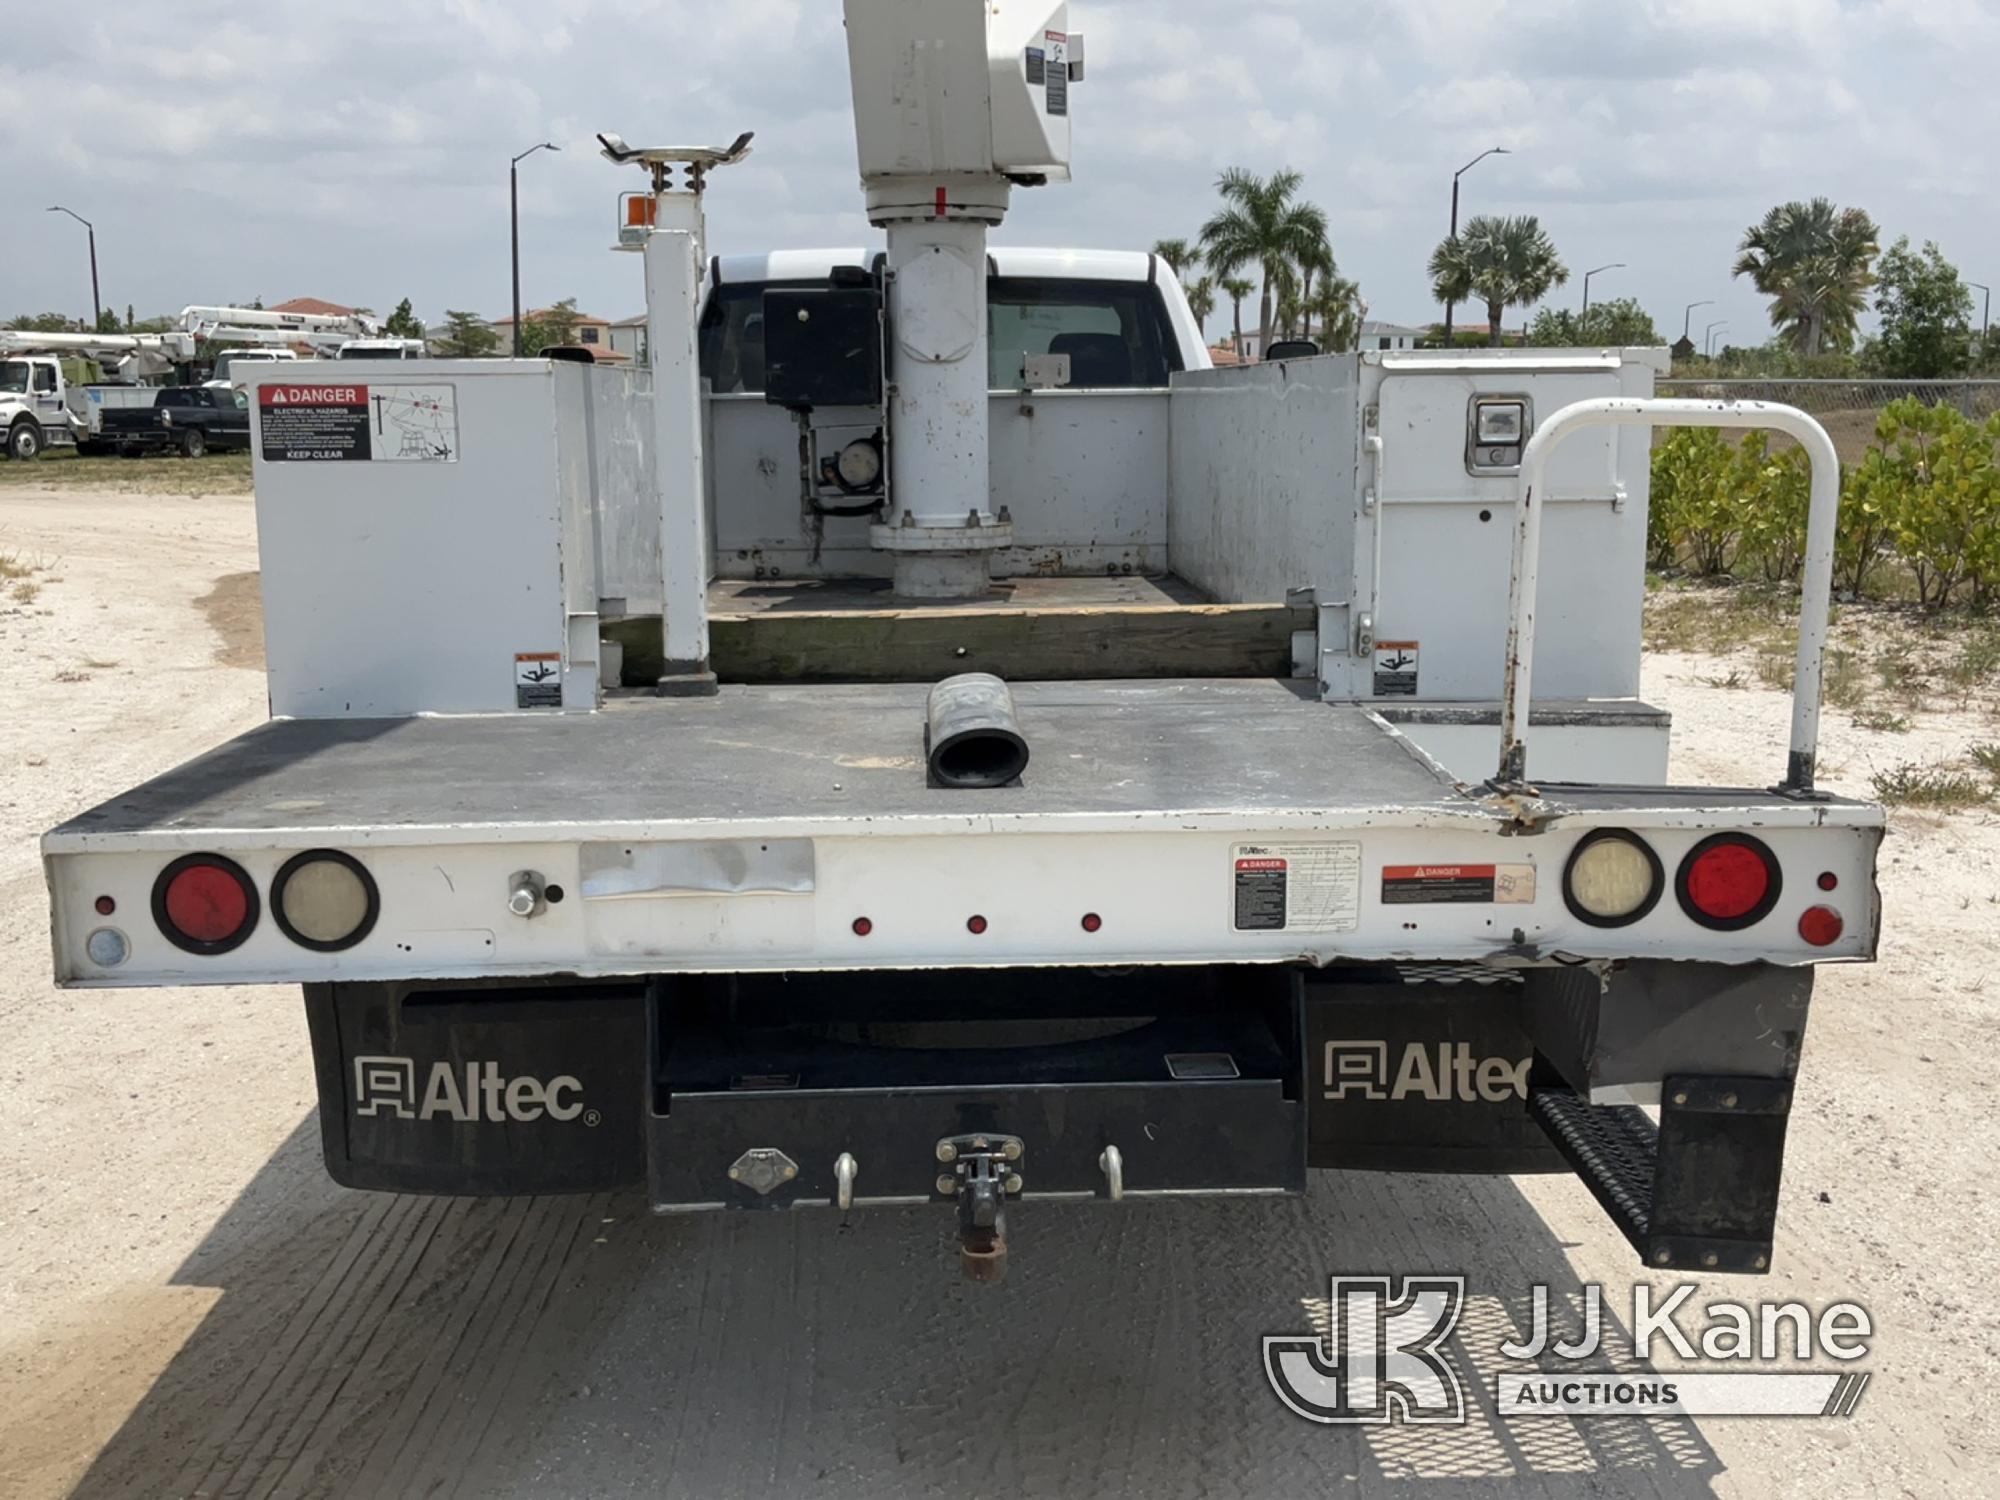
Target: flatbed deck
{"points": [[784, 755]]}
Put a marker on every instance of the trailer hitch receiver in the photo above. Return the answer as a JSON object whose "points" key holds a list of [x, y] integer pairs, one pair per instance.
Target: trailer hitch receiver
{"points": [[982, 1172]]}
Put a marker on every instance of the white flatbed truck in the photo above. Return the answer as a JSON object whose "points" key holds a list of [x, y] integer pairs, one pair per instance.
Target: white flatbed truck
{"points": [[1279, 855]]}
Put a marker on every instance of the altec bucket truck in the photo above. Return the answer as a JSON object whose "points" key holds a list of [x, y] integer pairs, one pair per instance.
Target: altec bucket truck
{"points": [[1267, 792]]}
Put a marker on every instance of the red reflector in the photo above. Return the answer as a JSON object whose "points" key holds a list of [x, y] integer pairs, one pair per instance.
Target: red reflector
{"points": [[1092, 921], [862, 927], [1821, 926], [1828, 881], [975, 925], [1728, 881], [106, 906], [207, 904]]}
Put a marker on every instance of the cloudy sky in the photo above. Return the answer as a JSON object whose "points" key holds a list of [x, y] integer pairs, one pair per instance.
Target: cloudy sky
{"points": [[357, 151]]}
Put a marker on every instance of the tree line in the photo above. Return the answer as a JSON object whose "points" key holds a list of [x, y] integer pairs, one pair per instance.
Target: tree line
{"points": [[1820, 265]]}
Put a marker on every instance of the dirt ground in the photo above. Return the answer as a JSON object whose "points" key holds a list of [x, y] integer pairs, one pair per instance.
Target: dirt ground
{"points": [[188, 1306]]}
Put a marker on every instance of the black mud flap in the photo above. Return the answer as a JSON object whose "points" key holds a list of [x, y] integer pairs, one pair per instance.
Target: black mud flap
{"points": [[481, 1090], [1421, 1070]]}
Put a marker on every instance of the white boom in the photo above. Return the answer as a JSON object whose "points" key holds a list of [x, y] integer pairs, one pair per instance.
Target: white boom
{"points": [[201, 329]]}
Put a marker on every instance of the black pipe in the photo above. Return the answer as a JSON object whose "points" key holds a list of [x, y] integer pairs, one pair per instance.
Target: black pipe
{"points": [[972, 736]]}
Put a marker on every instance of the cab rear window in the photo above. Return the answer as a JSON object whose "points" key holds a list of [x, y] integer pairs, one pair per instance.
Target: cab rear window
{"points": [[1115, 332]]}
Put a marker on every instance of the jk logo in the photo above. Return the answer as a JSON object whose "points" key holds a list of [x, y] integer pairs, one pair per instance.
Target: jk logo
{"points": [[1381, 1361]]}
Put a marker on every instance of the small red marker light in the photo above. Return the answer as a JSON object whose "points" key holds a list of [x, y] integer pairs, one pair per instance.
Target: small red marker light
{"points": [[1821, 926], [862, 927], [106, 906], [975, 925], [1828, 881], [1092, 921]]}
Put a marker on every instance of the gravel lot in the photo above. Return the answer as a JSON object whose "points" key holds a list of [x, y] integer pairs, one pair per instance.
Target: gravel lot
{"points": [[187, 1305]]}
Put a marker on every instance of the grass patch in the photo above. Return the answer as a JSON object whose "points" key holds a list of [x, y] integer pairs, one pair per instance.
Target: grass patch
{"points": [[1941, 788], [99, 666], [1987, 758], [1735, 679], [1715, 618], [26, 593], [1882, 721], [217, 474]]}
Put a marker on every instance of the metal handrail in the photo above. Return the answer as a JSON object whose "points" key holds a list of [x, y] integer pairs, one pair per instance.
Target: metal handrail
{"points": [[1816, 580]]}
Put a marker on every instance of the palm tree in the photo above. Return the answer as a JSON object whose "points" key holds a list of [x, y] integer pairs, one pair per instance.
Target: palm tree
{"points": [[1178, 254], [1235, 288], [1503, 262], [1814, 262], [1201, 301], [1337, 303], [1261, 223]]}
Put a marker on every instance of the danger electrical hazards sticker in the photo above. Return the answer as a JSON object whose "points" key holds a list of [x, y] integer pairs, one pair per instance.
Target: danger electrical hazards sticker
{"points": [[1296, 887], [307, 422], [1458, 885]]}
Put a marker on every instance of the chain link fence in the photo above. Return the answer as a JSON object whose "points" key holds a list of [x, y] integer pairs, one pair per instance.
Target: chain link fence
{"points": [[1848, 409]]}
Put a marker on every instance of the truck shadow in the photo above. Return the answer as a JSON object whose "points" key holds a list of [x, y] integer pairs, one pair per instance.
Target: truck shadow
{"points": [[378, 1346]]}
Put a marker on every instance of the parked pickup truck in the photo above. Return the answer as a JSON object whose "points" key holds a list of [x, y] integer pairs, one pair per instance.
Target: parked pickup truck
{"points": [[193, 419]]}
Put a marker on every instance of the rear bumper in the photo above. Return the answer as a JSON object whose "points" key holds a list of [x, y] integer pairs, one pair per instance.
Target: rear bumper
{"points": [[817, 1091]]}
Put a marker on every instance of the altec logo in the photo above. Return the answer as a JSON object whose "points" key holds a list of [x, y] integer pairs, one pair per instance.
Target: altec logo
{"points": [[471, 1093], [1361, 1070]]}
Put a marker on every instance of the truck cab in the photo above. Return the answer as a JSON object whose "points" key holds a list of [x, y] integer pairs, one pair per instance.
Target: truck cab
{"points": [[35, 405]]}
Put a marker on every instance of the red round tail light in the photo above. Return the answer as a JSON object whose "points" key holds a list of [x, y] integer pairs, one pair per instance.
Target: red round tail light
{"points": [[204, 903], [1728, 882]]}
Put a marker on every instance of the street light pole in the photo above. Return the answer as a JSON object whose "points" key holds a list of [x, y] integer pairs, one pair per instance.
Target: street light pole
{"points": [[1986, 317], [1489, 151], [514, 212], [1616, 265], [1708, 337], [1688, 316], [96, 302]]}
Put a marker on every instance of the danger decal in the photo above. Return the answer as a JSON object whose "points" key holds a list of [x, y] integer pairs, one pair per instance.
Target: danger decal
{"points": [[1449, 885], [303, 422], [1295, 887]]}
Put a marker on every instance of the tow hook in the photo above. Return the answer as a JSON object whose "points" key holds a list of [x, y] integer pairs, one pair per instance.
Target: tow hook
{"points": [[983, 1172]]}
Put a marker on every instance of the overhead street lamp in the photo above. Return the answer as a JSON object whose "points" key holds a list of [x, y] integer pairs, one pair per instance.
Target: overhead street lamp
{"points": [[1689, 314], [1489, 151], [1708, 337], [1986, 317], [96, 302], [514, 208], [1616, 265]]}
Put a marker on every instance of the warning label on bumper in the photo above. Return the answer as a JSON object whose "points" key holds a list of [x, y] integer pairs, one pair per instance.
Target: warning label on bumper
{"points": [[1296, 887], [1447, 885]]}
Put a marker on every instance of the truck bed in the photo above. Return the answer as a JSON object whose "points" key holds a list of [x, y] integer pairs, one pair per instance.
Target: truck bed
{"points": [[781, 755], [791, 829]]}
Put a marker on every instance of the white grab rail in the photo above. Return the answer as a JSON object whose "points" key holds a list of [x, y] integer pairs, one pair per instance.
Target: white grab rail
{"points": [[1816, 582]]}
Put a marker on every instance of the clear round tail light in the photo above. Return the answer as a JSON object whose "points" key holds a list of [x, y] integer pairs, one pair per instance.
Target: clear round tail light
{"points": [[325, 900], [1613, 878]]}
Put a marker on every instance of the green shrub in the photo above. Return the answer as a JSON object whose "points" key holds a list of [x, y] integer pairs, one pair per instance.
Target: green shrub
{"points": [[1934, 475], [1927, 492]]}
